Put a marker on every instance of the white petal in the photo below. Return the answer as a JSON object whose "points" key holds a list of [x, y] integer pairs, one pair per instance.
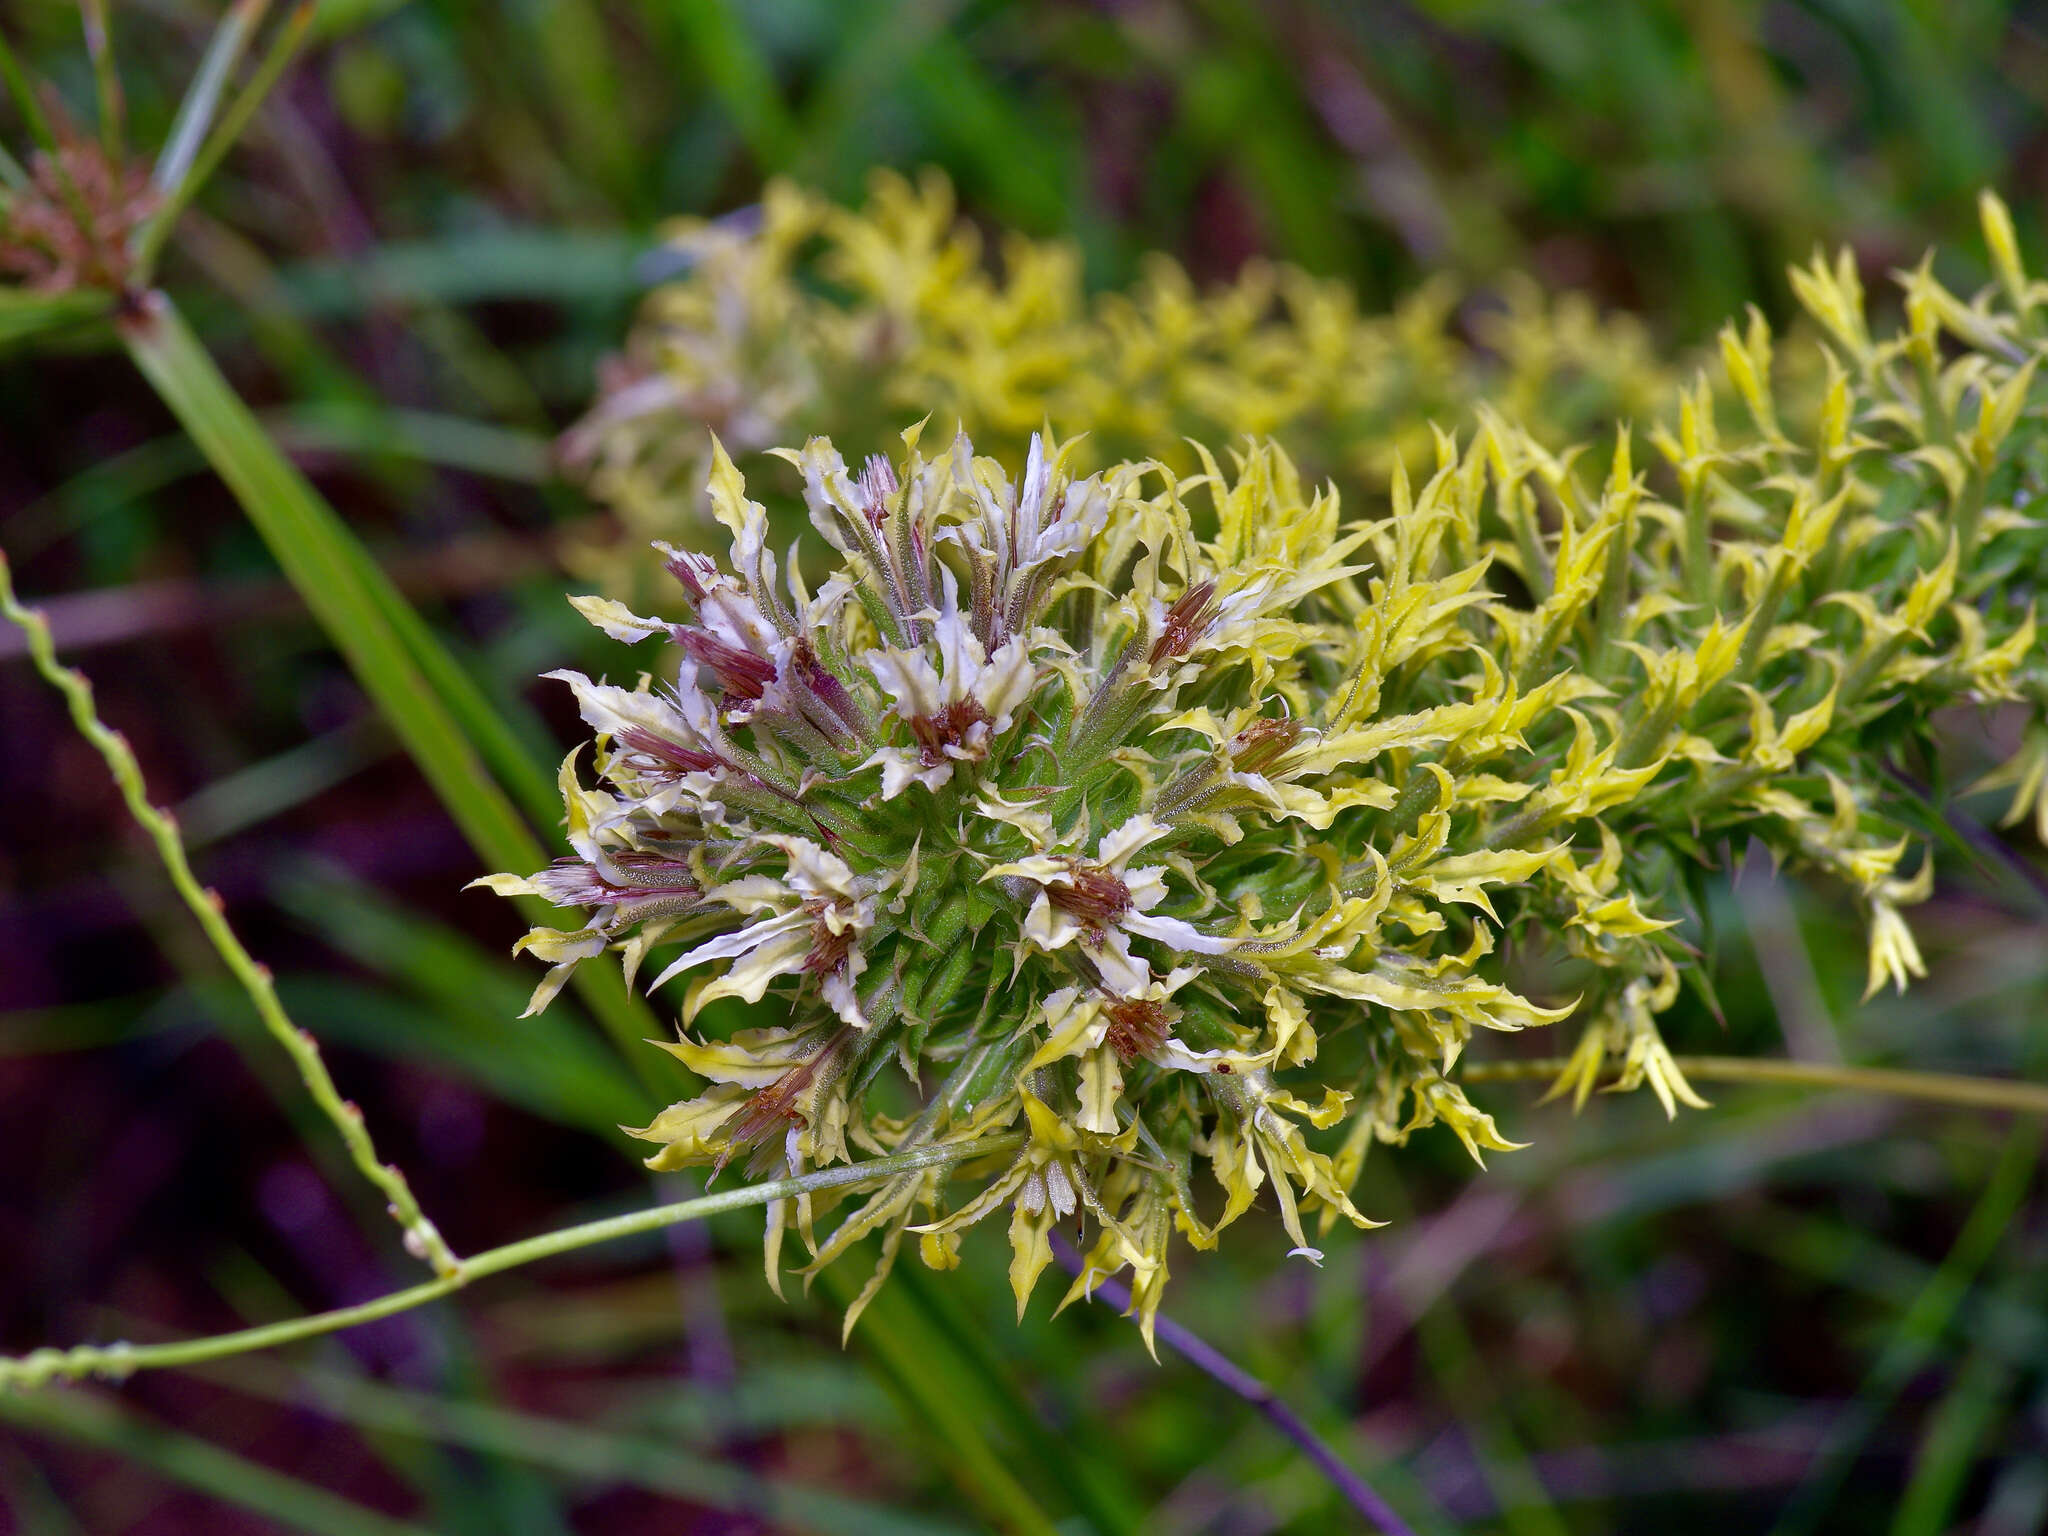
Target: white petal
{"points": [[902, 768], [617, 620], [1117, 847], [741, 941], [1175, 934], [909, 679], [1006, 681], [1122, 974], [1047, 927], [752, 973]]}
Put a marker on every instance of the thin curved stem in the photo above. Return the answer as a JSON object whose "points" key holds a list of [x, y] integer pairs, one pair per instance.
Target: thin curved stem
{"points": [[1934, 1087], [422, 1238], [1219, 1367], [118, 1360]]}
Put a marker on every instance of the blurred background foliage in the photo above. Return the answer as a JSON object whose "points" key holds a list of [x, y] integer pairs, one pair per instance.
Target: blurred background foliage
{"points": [[1829, 1311]]}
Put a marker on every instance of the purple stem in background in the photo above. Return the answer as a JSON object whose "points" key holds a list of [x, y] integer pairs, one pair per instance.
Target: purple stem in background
{"points": [[1212, 1362]]}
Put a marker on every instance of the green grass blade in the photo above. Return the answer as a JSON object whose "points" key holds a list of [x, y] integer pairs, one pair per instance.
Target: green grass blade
{"points": [[151, 234], [1092, 1482], [740, 76], [1016, 154], [460, 1010], [202, 98], [925, 1371], [509, 760], [98, 1421], [1956, 1434], [581, 1453], [567, 266], [25, 313], [1920, 1331], [17, 82], [421, 692], [327, 567]]}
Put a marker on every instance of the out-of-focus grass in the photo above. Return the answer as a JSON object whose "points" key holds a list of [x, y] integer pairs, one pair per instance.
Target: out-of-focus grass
{"points": [[415, 267]]}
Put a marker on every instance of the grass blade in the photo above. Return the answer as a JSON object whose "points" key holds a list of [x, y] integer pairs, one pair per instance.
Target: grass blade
{"points": [[741, 77], [150, 236], [423, 695], [580, 1453], [24, 313], [327, 568], [1919, 1332], [31, 109], [1956, 1432], [923, 1369], [106, 79], [202, 98], [100, 1422]]}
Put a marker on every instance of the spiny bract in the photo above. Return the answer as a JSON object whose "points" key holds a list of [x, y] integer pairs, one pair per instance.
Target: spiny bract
{"points": [[1169, 818]]}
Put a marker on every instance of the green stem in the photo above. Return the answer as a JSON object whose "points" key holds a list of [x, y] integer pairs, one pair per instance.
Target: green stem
{"points": [[1699, 549], [422, 1238], [1934, 1087], [121, 1359]]}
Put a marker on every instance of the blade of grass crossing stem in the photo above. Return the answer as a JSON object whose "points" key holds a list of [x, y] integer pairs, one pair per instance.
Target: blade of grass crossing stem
{"points": [[93, 1420], [926, 1374], [357, 607], [329, 575]]}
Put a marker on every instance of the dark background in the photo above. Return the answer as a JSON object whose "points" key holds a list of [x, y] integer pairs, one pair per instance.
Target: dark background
{"points": [[413, 267]]}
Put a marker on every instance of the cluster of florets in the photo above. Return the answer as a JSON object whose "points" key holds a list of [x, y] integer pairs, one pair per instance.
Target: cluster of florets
{"points": [[1175, 822]]}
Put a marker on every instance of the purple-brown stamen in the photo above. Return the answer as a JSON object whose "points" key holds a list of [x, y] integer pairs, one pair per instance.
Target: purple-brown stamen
{"points": [[1092, 893], [1186, 622], [1263, 743], [741, 674], [672, 757], [1137, 1026], [948, 728]]}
